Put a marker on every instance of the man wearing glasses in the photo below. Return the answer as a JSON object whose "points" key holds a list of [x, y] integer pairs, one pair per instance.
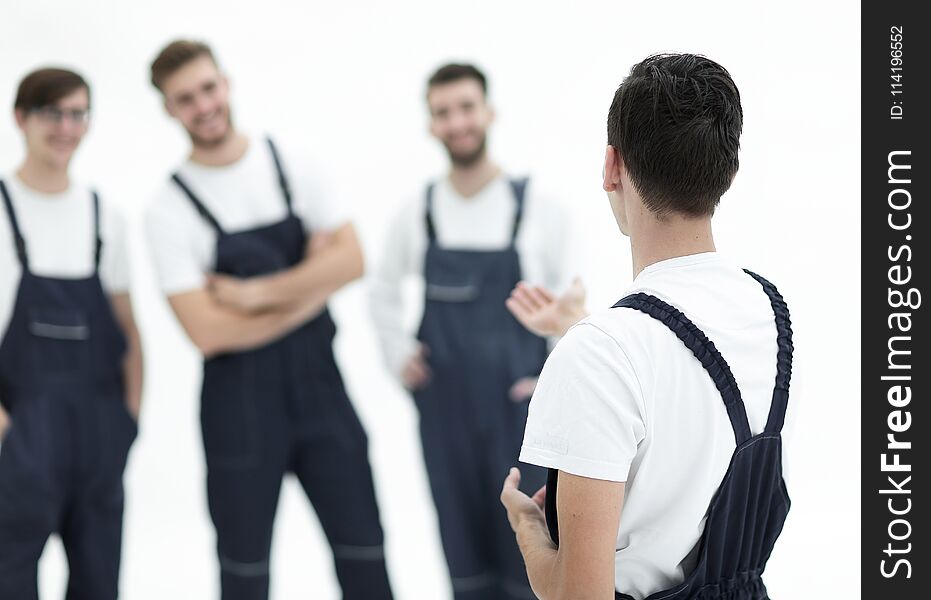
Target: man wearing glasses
{"points": [[231, 238], [70, 358]]}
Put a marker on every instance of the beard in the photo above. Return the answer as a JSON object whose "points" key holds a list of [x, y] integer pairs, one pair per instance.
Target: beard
{"points": [[467, 159], [208, 143]]}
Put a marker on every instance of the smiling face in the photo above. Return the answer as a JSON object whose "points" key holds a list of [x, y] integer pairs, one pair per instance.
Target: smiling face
{"points": [[197, 95], [53, 132], [460, 118]]}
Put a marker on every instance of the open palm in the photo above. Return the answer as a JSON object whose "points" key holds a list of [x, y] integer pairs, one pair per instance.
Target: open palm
{"points": [[537, 309]]}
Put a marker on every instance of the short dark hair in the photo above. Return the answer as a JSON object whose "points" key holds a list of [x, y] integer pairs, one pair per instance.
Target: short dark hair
{"points": [[174, 56], [451, 72], [44, 87], [676, 122]]}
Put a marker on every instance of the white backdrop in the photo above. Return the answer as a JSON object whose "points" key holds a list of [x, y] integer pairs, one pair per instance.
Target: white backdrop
{"points": [[347, 80]]}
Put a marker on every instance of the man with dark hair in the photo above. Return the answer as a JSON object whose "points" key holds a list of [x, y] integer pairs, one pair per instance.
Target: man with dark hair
{"points": [[248, 248], [454, 72], [174, 56], [471, 367], [70, 357], [628, 412]]}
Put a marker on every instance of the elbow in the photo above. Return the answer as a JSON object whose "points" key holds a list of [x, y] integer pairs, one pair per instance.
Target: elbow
{"points": [[553, 591], [562, 594], [564, 584], [559, 593], [206, 349], [356, 259], [357, 265], [349, 266], [208, 345]]}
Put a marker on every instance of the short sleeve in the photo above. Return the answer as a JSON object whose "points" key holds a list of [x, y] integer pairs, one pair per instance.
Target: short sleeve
{"points": [[586, 414], [173, 245], [114, 254], [317, 202]]}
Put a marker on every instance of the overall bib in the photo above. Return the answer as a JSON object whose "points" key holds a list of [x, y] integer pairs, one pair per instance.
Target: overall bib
{"points": [[748, 511], [277, 409], [61, 465], [471, 430]]}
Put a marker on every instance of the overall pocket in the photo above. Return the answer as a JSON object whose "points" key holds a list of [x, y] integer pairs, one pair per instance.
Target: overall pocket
{"points": [[465, 291], [60, 340]]}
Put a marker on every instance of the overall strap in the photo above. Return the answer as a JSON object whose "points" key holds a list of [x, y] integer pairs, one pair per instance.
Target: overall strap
{"points": [[14, 225], [282, 179], [519, 186], [704, 350], [777, 411], [428, 214], [197, 204], [98, 243]]}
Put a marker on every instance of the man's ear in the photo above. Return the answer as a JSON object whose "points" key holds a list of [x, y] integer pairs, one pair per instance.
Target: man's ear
{"points": [[612, 169], [20, 115]]}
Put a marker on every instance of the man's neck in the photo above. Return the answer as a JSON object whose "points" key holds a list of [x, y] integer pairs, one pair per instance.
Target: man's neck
{"points": [[43, 177], [470, 180], [676, 236], [227, 152]]}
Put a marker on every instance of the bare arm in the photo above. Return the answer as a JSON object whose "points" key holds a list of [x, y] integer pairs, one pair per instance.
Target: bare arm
{"points": [[582, 568], [215, 328], [325, 268], [132, 362]]}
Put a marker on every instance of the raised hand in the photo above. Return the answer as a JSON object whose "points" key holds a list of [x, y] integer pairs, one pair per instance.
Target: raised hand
{"points": [[519, 505], [542, 313]]}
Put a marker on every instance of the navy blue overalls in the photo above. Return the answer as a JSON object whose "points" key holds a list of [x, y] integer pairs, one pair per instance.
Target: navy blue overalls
{"points": [[61, 466], [748, 511], [470, 428], [282, 408]]}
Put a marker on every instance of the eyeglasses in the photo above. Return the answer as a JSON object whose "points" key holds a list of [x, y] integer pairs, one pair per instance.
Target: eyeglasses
{"points": [[53, 115]]}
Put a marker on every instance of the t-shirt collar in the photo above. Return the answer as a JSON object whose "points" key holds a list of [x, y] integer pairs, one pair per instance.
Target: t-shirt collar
{"points": [[679, 261]]}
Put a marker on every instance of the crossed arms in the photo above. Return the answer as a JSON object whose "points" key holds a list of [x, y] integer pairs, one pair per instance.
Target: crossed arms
{"points": [[232, 314]]}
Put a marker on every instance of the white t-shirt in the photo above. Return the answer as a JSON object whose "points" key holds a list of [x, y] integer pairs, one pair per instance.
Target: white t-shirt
{"points": [[621, 398], [240, 196], [482, 222], [59, 234]]}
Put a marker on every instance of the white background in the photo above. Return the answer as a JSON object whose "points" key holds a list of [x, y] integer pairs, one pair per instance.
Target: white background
{"points": [[347, 80]]}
